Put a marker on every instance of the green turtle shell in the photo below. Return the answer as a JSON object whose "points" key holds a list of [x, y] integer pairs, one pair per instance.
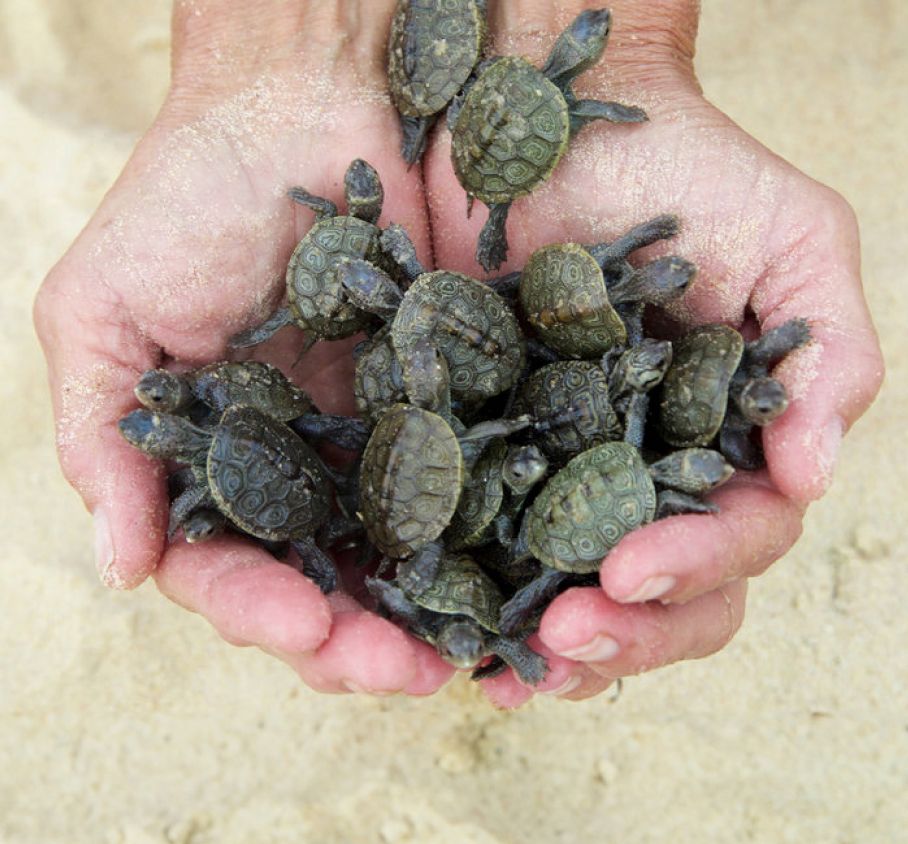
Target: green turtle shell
{"points": [[471, 325], [480, 500], [378, 377], [433, 48], [511, 132], [410, 480], [264, 478], [315, 296], [563, 296], [461, 587], [251, 383], [584, 510], [695, 388], [577, 392]]}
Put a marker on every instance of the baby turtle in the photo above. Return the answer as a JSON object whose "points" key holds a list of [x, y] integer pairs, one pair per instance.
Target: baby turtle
{"points": [[433, 48], [414, 464], [515, 122], [493, 494], [597, 498], [378, 380], [253, 469], [471, 325], [712, 365], [458, 614], [253, 384], [315, 299]]}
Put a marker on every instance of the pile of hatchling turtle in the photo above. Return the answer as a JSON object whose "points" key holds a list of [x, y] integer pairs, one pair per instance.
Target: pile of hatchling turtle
{"points": [[511, 431]]}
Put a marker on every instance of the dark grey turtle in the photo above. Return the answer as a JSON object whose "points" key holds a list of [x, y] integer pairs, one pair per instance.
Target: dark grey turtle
{"points": [[413, 466], [493, 494], [515, 122], [433, 48], [378, 380], [594, 501], [573, 305], [253, 469], [458, 614], [471, 325], [315, 299], [713, 364], [253, 384]]}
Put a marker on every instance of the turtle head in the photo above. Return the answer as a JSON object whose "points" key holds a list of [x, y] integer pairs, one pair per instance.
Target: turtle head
{"points": [[524, 467], [461, 642], [644, 366], [163, 435], [666, 279], [426, 379], [579, 47], [163, 391], [692, 470], [363, 191], [762, 400]]}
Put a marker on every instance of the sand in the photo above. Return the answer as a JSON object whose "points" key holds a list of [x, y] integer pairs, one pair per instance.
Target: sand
{"points": [[125, 720]]}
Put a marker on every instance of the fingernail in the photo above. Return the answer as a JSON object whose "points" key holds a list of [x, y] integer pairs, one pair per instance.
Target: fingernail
{"points": [[565, 688], [104, 551], [650, 589], [600, 649]]}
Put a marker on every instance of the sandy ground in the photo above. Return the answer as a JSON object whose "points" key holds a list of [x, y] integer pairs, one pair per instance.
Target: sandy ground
{"points": [[125, 719]]}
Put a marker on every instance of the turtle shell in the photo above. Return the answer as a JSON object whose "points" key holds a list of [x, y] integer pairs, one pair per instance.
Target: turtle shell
{"points": [[264, 478], [584, 510], [480, 500], [461, 587], [470, 324], [695, 388], [573, 398], [410, 480], [433, 48], [378, 378], [315, 295], [511, 132], [253, 384], [563, 296]]}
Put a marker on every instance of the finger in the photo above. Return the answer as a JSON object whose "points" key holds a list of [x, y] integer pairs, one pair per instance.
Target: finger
{"points": [[94, 360], [679, 558], [621, 639], [246, 595], [834, 379]]}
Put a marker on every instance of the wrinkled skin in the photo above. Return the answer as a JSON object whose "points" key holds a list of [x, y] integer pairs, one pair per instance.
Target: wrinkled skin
{"points": [[200, 210]]}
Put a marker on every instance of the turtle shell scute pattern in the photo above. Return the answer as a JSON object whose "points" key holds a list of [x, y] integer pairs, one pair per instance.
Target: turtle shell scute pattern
{"points": [[511, 132], [433, 48], [253, 384], [585, 510], [315, 295], [563, 296], [695, 389], [378, 378], [264, 478], [573, 396], [480, 500], [410, 481], [461, 587], [471, 325]]}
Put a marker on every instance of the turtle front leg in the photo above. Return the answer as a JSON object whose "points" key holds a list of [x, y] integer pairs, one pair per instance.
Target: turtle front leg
{"points": [[492, 248], [659, 228], [417, 574], [397, 243], [518, 610], [263, 332], [529, 666], [586, 111], [323, 208], [316, 564], [414, 131], [347, 432], [670, 502], [635, 419], [190, 499]]}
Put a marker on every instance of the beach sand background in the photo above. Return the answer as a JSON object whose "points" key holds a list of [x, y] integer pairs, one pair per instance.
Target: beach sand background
{"points": [[125, 720]]}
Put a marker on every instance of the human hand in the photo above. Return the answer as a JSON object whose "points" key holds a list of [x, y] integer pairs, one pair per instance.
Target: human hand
{"points": [[770, 245], [189, 247]]}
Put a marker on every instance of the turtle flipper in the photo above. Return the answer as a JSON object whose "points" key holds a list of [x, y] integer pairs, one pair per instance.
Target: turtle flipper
{"points": [[529, 666], [324, 208], [670, 502], [777, 343], [415, 131], [317, 565], [659, 228], [526, 600], [492, 248], [190, 499], [586, 111], [494, 668], [263, 332]]}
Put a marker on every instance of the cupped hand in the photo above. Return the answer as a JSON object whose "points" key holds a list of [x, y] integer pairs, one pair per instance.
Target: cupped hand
{"points": [[770, 244]]}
